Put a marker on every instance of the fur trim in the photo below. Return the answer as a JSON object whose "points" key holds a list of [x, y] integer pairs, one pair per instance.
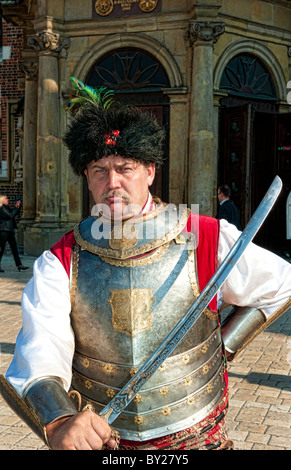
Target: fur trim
{"points": [[141, 137]]}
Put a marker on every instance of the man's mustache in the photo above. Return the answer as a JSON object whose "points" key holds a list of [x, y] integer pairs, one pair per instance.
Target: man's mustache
{"points": [[115, 194]]}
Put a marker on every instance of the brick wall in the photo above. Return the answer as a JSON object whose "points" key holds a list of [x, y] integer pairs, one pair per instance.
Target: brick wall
{"points": [[10, 76]]}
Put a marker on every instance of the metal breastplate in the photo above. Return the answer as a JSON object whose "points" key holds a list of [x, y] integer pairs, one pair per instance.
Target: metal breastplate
{"points": [[123, 308]]}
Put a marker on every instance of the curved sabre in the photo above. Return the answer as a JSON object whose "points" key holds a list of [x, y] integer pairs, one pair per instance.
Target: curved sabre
{"points": [[128, 392]]}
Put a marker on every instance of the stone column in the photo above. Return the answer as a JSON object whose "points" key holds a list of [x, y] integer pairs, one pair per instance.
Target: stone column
{"points": [[177, 144], [48, 44], [203, 34], [47, 228], [29, 142]]}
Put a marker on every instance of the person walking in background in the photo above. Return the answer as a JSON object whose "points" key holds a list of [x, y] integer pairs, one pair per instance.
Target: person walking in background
{"points": [[7, 226], [227, 209]]}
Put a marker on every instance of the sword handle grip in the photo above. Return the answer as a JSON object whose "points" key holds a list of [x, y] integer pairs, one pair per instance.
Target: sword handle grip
{"points": [[106, 415]]}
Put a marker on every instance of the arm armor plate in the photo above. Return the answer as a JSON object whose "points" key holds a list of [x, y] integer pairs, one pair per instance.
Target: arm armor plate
{"points": [[45, 401], [243, 324], [48, 400]]}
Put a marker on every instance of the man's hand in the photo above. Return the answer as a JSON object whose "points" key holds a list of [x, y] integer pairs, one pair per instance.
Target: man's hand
{"points": [[83, 431]]}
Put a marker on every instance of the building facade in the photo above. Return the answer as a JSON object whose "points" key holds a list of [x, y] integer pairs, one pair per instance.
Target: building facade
{"points": [[215, 73]]}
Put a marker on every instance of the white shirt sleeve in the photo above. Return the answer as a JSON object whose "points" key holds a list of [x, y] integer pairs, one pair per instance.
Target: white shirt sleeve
{"points": [[260, 279], [45, 343]]}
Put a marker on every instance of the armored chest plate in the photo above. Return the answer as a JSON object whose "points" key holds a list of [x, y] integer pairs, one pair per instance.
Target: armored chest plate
{"points": [[123, 309]]}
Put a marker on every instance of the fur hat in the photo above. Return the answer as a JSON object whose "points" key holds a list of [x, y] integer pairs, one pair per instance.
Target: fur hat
{"points": [[100, 127]]}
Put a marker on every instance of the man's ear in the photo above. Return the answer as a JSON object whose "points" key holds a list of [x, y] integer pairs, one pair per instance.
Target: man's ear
{"points": [[151, 168], [87, 178]]}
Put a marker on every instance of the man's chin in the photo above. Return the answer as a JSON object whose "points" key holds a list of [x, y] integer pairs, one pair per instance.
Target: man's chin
{"points": [[119, 211]]}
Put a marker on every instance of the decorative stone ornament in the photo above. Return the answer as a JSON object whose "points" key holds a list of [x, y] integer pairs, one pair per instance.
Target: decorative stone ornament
{"points": [[206, 31], [48, 41]]}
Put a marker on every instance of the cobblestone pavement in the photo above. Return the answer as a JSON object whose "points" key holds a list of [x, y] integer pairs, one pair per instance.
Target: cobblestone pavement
{"points": [[259, 416]]}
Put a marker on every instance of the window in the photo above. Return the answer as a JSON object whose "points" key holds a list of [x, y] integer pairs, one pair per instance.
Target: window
{"points": [[246, 76], [128, 69]]}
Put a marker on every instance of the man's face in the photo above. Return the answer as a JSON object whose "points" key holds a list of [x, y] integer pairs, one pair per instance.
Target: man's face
{"points": [[120, 183], [220, 195]]}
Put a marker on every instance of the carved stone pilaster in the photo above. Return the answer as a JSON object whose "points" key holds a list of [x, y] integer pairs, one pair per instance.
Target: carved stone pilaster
{"points": [[205, 31], [203, 34], [48, 42]]}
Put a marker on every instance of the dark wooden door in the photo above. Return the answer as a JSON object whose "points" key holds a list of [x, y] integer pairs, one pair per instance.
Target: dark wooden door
{"points": [[254, 147], [272, 156], [234, 157]]}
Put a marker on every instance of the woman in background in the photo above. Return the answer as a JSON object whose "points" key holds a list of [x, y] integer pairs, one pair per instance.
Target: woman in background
{"points": [[7, 226]]}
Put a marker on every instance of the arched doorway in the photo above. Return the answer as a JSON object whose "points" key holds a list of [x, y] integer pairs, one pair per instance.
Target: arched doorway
{"points": [[138, 79], [251, 134]]}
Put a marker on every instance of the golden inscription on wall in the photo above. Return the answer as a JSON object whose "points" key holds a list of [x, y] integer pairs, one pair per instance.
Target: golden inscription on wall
{"points": [[124, 7]]}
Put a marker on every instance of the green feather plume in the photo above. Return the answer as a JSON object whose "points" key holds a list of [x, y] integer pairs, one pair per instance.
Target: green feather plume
{"points": [[84, 95]]}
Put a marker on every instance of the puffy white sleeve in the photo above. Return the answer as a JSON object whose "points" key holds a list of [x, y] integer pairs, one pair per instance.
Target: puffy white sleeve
{"points": [[45, 343], [260, 279]]}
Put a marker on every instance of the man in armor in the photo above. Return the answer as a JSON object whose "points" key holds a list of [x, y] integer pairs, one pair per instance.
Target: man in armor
{"points": [[107, 294]]}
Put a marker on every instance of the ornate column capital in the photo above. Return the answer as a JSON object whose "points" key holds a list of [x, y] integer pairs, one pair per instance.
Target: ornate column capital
{"points": [[48, 42], [206, 32]]}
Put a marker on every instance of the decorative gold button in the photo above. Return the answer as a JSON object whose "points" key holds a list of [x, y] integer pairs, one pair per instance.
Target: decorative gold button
{"points": [[166, 411], [205, 369], [190, 400], [138, 419], [164, 391], [137, 398], [133, 371], [188, 381], [186, 358], [108, 368], [88, 384], [110, 393], [86, 363], [204, 349]]}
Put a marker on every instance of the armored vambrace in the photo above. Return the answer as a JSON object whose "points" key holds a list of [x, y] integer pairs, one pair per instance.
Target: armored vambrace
{"points": [[45, 401], [243, 324]]}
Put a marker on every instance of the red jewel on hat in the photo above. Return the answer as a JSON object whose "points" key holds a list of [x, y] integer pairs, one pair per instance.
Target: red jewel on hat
{"points": [[111, 137]]}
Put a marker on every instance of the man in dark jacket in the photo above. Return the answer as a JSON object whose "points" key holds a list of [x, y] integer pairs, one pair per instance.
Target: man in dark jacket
{"points": [[7, 226], [227, 209]]}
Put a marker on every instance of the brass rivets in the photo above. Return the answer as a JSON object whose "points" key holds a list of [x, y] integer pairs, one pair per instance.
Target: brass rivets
{"points": [[188, 381], [88, 384], [164, 391], [137, 398], [138, 419], [110, 393], [205, 369], [133, 371], [166, 411], [186, 358], [86, 363]]}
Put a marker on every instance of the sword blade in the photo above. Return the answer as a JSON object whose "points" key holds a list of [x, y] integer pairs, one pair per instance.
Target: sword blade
{"points": [[113, 409]]}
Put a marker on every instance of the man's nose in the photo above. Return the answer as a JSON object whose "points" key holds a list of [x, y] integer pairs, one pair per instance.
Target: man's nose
{"points": [[113, 179]]}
